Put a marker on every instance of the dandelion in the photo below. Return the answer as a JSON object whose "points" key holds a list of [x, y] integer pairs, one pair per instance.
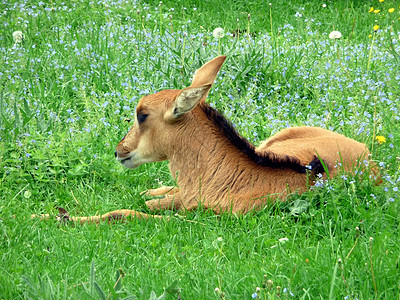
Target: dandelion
{"points": [[334, 35], [380, 1], [270, 283], [376, 11], [278, 290], [390, 10], [218, 33], [376, 27], [371, 9], [18, 37], [381, 139], [27, 194], [220, 293]]}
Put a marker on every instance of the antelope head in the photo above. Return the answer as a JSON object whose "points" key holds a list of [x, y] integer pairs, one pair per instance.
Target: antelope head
{"points": [[160, 116]]}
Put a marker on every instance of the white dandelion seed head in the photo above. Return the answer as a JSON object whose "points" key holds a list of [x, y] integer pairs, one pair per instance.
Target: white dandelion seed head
{"points": [[18, 36], [218, 33], [334, 35], [283, 240]]}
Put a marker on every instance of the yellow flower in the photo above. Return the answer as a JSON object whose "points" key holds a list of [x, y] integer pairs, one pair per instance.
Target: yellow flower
{"points": [[391, 10], [370, 36], [376, 11], [381, 1], [371, 9], [381, 139], [376, 27]]}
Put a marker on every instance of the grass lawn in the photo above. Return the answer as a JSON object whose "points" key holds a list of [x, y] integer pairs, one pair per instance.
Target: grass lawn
{"points": [[78, 71]]}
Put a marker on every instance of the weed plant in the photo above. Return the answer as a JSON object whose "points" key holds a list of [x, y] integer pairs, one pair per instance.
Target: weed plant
{"points": [[75, 72]]}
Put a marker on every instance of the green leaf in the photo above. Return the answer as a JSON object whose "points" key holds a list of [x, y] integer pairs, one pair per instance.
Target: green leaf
{"points": [[153, 296], [100, 291], [129, 297], [299, 206], [29, 283], [173, 288], [92, 277], [118, 279], [113, 293], [26, 112], [16, 116], [50, 286], [78, 170]]}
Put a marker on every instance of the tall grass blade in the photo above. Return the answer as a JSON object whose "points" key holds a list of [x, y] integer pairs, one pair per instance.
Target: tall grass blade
{"points": [[332, 287]]}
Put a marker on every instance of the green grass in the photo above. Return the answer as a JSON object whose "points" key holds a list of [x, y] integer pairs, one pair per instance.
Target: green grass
{"points": [[66, 89]]}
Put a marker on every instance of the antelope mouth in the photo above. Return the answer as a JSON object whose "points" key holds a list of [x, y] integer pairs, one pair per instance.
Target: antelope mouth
{"points": [[124, 160], [127, 162]]}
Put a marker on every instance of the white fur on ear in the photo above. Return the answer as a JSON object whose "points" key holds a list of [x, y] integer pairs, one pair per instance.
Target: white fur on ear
{"points": [[187, 100]]}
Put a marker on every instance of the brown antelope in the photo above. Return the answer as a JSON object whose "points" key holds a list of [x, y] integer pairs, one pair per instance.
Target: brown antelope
{"points": [[215, 166]]}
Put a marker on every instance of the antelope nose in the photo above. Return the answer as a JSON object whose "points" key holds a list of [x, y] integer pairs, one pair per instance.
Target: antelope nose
{"points": [[116, 154]]}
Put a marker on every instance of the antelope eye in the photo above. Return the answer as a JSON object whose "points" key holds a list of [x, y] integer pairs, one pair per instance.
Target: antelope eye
{"points": [[141, 118]]}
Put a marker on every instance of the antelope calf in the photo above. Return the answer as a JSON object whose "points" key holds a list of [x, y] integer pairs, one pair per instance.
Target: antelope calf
{"points": [[213, 164]]}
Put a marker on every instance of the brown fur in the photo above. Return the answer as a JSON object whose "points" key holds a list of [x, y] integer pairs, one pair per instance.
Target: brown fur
{"points": [[207, 161]]}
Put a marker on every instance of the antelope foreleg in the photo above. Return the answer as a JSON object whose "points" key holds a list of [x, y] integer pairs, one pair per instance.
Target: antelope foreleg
{"points": [[168, 202]]}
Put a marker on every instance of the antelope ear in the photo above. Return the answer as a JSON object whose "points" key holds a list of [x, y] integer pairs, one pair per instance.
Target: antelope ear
{"points": [[207, 73], [186, 101]]}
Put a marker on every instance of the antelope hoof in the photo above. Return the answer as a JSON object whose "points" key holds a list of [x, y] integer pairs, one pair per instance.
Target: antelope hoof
{"points": [[63, 215]]}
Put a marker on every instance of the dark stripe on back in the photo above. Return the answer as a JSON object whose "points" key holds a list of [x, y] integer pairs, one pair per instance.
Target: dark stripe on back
{"points": [[266, 159]]}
